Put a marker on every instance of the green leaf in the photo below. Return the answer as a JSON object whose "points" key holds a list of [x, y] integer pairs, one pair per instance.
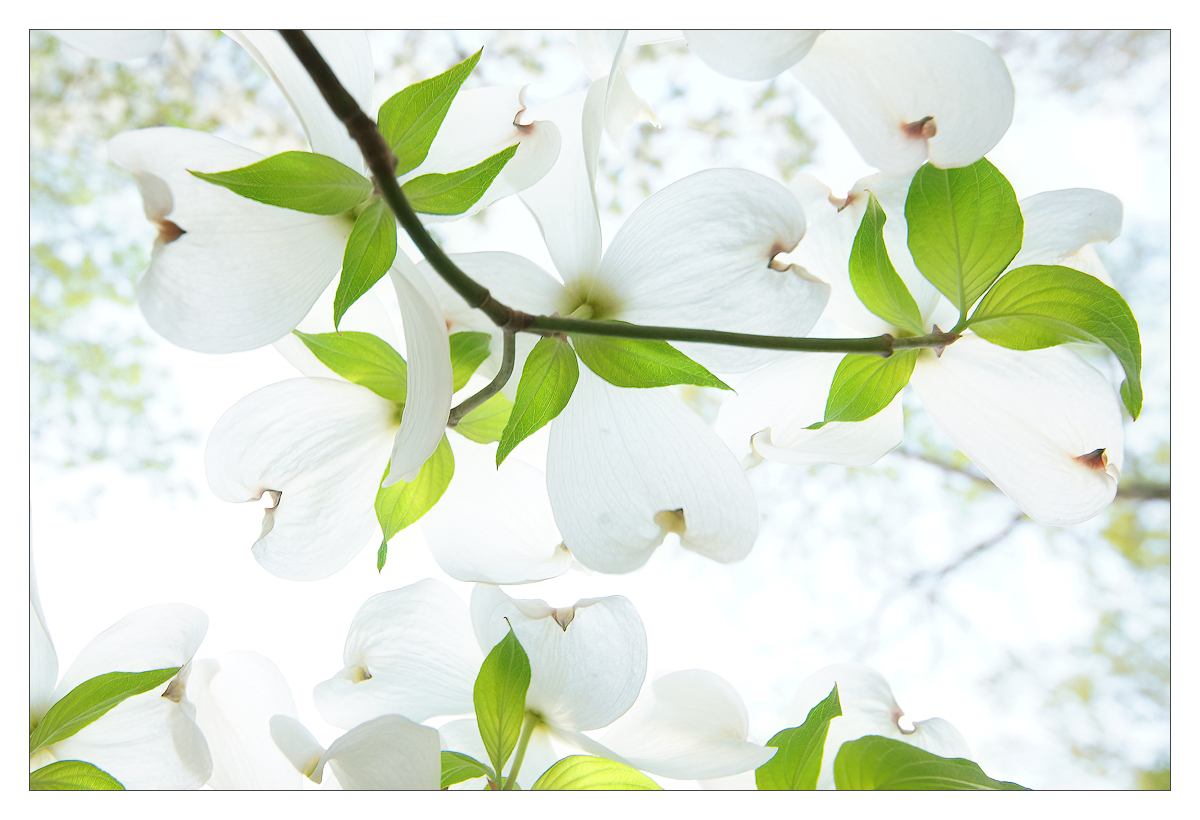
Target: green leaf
{"points": [[486, 422], [500, 698], [864, 384], [586, 773], [363, 359], [875, 279], [410, 119], [964, 227], [468, 350], [1045, 305], [884, 764], [641, 363], [90, 700], [453, 193], [547, 381], [404, 502], [370, 251], [313, 183], [797, 764], [457, 767], [381, 555], [72, 775]]}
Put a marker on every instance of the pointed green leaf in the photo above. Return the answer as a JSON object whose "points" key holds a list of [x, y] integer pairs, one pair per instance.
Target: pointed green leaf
{"points": [[72, 775], [369, 253], [875, 279], [586, 773], [500, 698], [486, 422], [404, 502], [449, 194], [641, 363], [381, 554], [1045, 305], [313, 183], [468, 350], [547, 382], [457, 767], [410, 119], [884, 764], [363, 359], [797, 764], [90, 700], [865, 384], [964, 227]]}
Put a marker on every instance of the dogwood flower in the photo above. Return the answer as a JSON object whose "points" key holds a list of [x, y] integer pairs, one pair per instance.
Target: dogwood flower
{"points": [[901, 96], [1043, 425], [626, 467], [387, 752], [148, 741]]}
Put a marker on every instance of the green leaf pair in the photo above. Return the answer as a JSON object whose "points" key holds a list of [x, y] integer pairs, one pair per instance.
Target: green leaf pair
{"points": [[82, 706]]}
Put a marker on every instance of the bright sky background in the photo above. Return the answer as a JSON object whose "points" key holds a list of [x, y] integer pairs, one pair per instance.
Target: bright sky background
{"points": [[763, 624]]}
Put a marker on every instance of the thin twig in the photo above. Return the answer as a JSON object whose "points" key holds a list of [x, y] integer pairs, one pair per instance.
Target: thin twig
{"points": [[493, 387]]}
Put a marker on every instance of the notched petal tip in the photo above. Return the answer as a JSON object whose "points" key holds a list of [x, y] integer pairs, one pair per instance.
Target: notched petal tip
{"points": [[1096, 460], [175, 690], [671, 521], [923, 128], [168, 231], [563, 616]]}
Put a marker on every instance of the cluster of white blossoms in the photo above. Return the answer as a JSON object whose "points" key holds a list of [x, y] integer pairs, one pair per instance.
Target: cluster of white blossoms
{"points": [[365, 441]]}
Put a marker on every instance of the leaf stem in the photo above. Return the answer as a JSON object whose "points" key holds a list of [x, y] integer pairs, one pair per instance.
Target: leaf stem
{"points": [[508, 359], [532, 721]]}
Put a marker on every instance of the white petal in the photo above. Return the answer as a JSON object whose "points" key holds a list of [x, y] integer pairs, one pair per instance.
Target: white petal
{"points": [[750, 54], [155, 637], [880, 85], [389, 752], [482, 122], [43, 660], [323, 446], [698, 254], [939, 737], [774, 407], [430, 377], [564, 201], [146, 742], [242, 274], [584, 675], [598, 48], [1024, 417], [297, 743], [1059, 225], [349, 55], [623, 462], [235, 696], [688, 725], [113, 44], [410, 651], [495, 526]]}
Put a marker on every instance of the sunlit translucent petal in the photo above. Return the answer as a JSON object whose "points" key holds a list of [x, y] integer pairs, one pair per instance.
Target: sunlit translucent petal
{"points": [[430, 377], [296, 743], [626, 466], [235, 697], [1060, 225], [880, 85], [410, 651], [242, 274], [463, 736], [584, 675], [564, 201], [43, 661], [322, 445], [698, 254], [774, 407], [939, 737], [146, 742], [482, 122], [155, 637], [597, 48], [348, 54], [494, 526], [113, 44], [389, 752], [750, 54], [687, 725], [1024, 418]]}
